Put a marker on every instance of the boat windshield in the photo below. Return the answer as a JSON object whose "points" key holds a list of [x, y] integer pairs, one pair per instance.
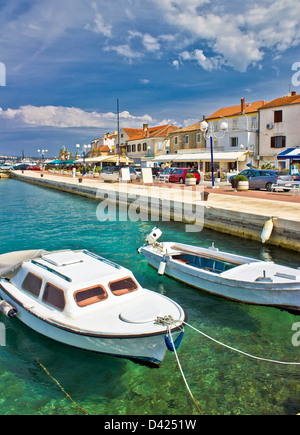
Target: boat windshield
{"points": [[123, 286]]}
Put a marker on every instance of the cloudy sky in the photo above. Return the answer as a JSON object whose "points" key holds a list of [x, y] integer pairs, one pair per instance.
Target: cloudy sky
{"points": [[64, 64]]}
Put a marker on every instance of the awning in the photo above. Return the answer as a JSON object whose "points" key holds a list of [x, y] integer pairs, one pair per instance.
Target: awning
{"points": [[60, 162], [229, 156], [289, 154], [111, 159]]}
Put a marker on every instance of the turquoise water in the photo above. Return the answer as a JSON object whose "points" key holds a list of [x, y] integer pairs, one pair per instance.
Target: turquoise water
{"points": [[222, 382]]}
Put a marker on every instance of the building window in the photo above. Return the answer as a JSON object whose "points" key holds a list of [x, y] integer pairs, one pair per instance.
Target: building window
{"points": [[139, 147], [278, 116], [186, 138], [254, 122], [278, 142], [129, 148], [216, 126], [235, 124], [144, 147], [176, 140], [133, 148], [198, 137], [234, 141]]}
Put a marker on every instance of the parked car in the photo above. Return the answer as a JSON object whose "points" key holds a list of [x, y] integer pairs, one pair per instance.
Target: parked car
{"points": [[164, 175], [156, 171], [6, 167], [33, 168], [264, 178], [21, 166], [110, 173], [133, 174], [137, 171], [178, 175]]}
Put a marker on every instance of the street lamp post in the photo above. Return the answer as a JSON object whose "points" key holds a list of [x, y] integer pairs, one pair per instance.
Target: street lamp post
{"points": [[207, 130], [42, 153], [84, 148]]}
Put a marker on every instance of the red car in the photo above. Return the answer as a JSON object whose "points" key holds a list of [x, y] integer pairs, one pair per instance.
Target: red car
{"points": [[179, 174], [33, 168]]}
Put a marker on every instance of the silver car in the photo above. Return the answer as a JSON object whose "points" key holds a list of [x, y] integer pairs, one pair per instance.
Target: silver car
{"points": [[164, 175], [264, 178]]}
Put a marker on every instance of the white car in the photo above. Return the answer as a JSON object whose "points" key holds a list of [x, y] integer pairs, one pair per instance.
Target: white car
{"points": [[6, 167]]}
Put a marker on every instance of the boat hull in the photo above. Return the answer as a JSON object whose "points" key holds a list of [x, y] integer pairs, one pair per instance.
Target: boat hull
{"points": [[146, 348], [256, 293]]}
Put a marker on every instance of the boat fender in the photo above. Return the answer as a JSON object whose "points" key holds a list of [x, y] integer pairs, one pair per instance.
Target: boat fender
{"points": [[267, 230], [177, 342], [8, 310], [162, 267]]}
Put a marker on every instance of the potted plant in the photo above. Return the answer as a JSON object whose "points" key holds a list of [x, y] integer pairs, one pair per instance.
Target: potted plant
{"points": [[190, 180], [240, 183]]}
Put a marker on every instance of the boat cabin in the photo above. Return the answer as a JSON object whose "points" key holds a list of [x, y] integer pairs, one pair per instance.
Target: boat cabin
{"points": [[74, 282]]}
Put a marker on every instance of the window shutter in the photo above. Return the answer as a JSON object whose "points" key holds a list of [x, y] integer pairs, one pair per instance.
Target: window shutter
{"points": [[283, 142], [278, 116], [272, 142]]}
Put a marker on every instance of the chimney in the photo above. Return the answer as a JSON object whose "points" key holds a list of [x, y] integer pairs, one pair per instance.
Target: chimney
{"points": [[145, 130], [293, 93], [243, 105]]}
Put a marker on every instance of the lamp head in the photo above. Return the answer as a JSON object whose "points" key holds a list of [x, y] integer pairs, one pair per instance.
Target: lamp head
{"points": [[203, 126], [224, 126]]}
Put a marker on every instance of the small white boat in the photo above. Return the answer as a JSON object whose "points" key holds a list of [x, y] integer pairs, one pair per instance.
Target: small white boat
{"points": [[231, 276], [83, 300]]}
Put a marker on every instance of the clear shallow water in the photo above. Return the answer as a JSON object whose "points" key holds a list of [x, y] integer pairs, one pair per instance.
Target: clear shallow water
{"points": [[222, 382]]}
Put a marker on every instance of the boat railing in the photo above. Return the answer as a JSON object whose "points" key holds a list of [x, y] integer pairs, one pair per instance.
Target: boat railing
{"points": [[49, 269]]}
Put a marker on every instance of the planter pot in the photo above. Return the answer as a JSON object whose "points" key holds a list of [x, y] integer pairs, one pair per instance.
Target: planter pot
{"points": [[190, 181], [79, 180], [204, 195], [242, 186]]}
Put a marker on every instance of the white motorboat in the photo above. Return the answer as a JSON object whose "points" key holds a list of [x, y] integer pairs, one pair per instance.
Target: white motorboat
{"points": [[83, 300], [228, 275]]}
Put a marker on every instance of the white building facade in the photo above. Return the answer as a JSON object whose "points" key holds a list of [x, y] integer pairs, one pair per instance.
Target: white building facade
{"points": [[279, 129]]}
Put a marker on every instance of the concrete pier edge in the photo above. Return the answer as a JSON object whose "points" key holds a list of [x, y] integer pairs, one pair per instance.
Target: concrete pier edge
{"points": [[244, 224]]}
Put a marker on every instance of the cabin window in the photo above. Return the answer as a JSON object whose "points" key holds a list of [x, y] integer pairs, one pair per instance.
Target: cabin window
{"points": [[122, 286], [90, 296], [54, 296], [32, 284]]}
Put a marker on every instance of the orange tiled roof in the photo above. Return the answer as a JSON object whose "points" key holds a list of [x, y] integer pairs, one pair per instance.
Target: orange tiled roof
{"points": [[283, 101], [139, 133], [192, 127], [236, 110]]}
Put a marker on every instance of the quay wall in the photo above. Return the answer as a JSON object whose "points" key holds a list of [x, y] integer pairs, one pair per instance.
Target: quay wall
{"points": [[235, 219]]}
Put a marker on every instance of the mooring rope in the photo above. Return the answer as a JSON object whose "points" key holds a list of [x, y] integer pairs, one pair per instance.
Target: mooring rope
{"points": [[47, 371], [182, 374], [241, 352]]}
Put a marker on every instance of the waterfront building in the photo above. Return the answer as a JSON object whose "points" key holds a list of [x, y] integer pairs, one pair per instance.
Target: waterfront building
{"points": [[280, 131], [241, 137], [105, 144], [144, 144]]}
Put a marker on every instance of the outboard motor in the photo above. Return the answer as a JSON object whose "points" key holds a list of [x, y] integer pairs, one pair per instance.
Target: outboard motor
{"points": [[153, 236]]}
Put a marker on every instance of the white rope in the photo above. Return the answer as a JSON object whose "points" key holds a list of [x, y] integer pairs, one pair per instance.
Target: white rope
{"points": [[239, 351], [182, 374]]}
